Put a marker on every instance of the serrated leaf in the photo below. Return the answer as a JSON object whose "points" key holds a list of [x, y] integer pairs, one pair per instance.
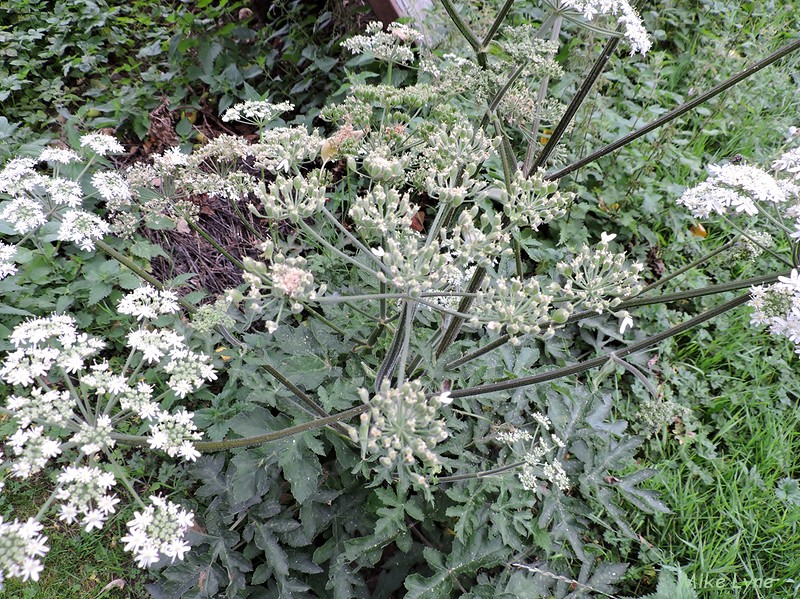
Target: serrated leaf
{"points": [[300, 466], [274, 555], [98, 292], [462, 560]]}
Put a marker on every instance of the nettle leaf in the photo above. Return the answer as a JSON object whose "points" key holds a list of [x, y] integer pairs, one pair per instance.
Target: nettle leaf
{"points": [[462, 560]]}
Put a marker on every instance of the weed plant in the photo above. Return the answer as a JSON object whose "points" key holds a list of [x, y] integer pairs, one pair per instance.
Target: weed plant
{"points": [[399, 397]]}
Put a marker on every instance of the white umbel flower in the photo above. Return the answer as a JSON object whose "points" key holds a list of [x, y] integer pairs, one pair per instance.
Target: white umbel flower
{"points": [[147, 302], [7, 253], [21, 549], [82, 228], [102, 144], [635, 32], [159, 529]]}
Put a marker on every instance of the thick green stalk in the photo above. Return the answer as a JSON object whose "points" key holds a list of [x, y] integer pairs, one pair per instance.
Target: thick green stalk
{"points": [[676, 112], [597, 69], [209, 446], [558, 373], [472, 40], [632, 303]]}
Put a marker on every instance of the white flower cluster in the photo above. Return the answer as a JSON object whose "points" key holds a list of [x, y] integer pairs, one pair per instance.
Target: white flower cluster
{"points": [[34, 358], [401, 427], [32, 449], [35, 197], [21, 549], [392, 45], [147, 302], [45, 343], [256, 112], [599, 279], [635, 32], [101, 144], [778, 307], [733, 187], [174, 433], [83, 493], [534, 449], [7, 254], [159, 529], [76, 408], [789, 162]]}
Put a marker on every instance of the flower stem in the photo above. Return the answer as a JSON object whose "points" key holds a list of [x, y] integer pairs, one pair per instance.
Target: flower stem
{"points": [[600, 360], [676, 112]]}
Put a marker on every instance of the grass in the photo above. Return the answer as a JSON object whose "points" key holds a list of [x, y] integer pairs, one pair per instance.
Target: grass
{"points": [[729, 527]]}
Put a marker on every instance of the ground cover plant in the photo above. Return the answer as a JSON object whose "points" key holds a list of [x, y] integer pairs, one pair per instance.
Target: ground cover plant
{"points": [[150, 70], [369, 243]]}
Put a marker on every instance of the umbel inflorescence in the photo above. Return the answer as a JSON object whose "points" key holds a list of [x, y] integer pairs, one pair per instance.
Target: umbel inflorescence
{"points": [[70, 403]]}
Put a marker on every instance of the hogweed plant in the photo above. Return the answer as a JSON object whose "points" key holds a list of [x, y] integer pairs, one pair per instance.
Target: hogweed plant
{"points": [[403, 309]]}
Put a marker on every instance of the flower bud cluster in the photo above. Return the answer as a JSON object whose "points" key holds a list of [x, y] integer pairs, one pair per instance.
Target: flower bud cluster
{"points": [[401, 427], [658, 412], [209, 316], [522, 307], [414, 267], [291, 280], [94, 437], [455, 149], [283, 149], [532, 201], [380, 167], [747, 249], [473, 244], [599, 279], [778, 307], [536, 452], [293, 199], [382, 212]]}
